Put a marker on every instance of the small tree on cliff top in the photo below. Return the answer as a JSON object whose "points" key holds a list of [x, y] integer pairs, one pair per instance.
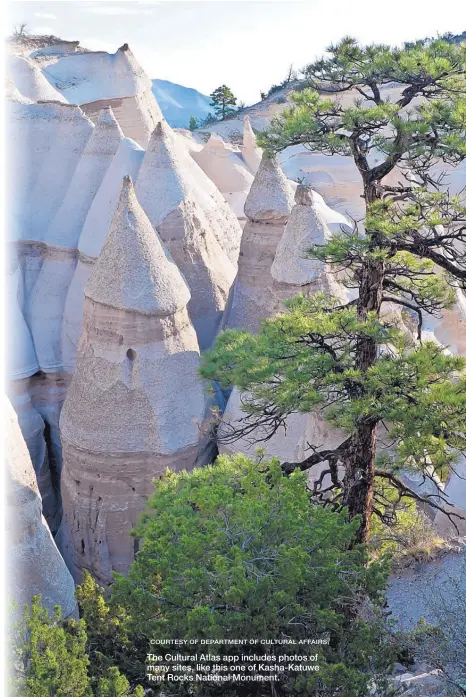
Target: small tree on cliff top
{"points": [[223, 100], [362, 372]]}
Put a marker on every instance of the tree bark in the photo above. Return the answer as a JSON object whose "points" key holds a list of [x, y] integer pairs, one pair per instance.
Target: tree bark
{"points": [[359, 462], [358, 483]]}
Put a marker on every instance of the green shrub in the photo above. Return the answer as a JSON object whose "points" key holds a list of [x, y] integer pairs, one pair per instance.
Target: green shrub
{"points": [[236, 550]]}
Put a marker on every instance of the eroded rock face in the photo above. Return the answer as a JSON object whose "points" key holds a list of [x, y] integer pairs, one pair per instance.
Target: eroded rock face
{"points": [[34, 564], [135, 403], [30, 81], [95, 80], [184, 214], [60, 256], [304, 229]]}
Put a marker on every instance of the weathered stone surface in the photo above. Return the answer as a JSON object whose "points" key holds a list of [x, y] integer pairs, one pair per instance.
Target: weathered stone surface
{"points": [[21, 356], [32, 429], [47, 393], [59, 134], [177, 207], [30, 81], [270, 198], [51, 288], [34, 565], [135, 404], [65, 229]]}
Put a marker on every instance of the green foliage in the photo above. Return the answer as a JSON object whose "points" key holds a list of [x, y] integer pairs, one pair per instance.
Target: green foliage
{"points": [[193, 123], [209, 120], [431, 128], [306, 359], [410, 536], [236, 550], [49, 656], [113, 684], [107, 629], [53, 657], [223, 100]]}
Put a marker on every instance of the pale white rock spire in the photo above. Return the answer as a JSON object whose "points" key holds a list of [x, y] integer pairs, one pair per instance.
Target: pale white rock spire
{"points": [[176, 206], [51, 288], [305, 228], [127, 161], [134, 271], [30, 80], [34, 564], [267, 207], [251, 152], [223, 165], [136, 403], [271, 196]]}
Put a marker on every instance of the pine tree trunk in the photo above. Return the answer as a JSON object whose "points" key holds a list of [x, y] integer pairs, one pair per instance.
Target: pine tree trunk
{"points": [[358, 484]]}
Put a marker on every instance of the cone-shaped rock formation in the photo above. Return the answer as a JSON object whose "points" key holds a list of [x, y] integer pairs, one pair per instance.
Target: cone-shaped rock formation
{"points": [[224, 166], [34, 564], [135, 401], [251, 153], [176, 205], [305, 228], [127, 161], [65, 229], [268, 207]]}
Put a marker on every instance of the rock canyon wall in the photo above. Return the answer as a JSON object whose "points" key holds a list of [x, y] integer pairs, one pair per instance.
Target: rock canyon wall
{"points": [[114, 289]]}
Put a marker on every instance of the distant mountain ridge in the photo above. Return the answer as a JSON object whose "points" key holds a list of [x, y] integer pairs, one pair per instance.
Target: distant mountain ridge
{"points": [[179, 103]]}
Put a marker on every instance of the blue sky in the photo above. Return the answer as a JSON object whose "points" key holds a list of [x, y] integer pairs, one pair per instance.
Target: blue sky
{"points": [[246, 44]]}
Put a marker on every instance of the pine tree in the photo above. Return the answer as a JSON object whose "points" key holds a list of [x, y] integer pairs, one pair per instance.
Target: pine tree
{"points": [[223, 100], [363, 373], [193, 124]]}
